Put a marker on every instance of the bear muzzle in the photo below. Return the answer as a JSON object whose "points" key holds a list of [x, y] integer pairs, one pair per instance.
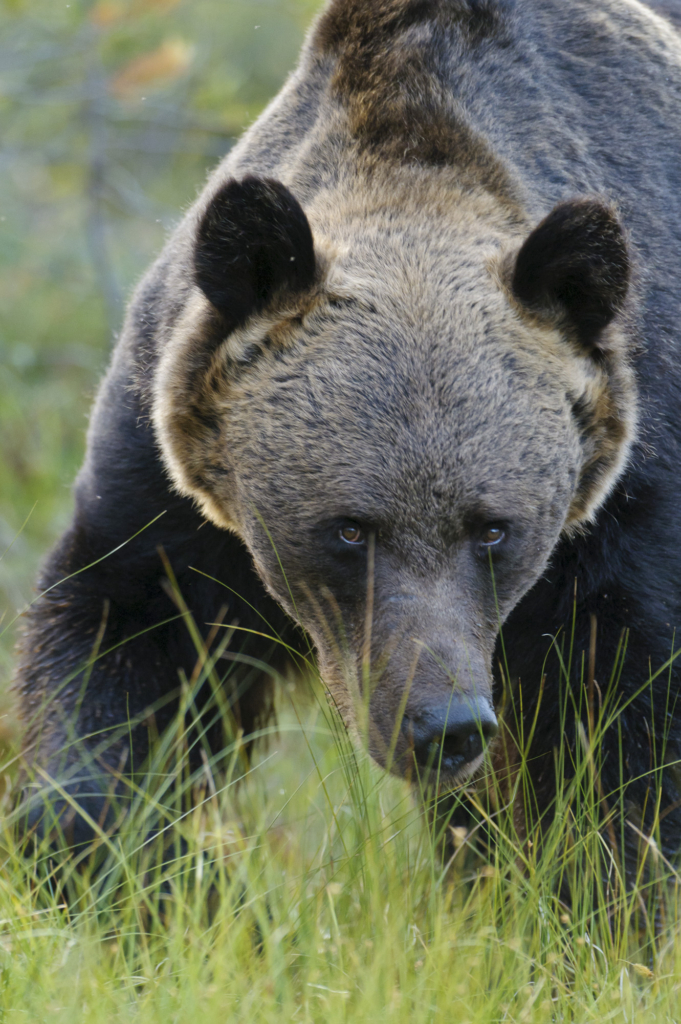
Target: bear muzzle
{"points": [[449, 739], [439, 733]]}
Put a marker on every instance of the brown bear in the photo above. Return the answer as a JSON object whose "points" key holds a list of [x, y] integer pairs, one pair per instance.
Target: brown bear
{"points": [[407, 371]]}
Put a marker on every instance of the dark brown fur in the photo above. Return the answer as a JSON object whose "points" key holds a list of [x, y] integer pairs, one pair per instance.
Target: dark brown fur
{"points": [[386, 74]]}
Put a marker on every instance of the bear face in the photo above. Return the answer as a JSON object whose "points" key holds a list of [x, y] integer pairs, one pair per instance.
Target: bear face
{"points": [[399, 422]]}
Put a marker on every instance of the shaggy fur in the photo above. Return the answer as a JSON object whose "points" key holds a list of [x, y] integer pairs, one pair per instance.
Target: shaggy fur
{"points": [[432, 292]]}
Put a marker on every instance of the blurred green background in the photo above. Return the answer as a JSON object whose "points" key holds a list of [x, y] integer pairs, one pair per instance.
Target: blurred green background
{"points": [[111, 114]]}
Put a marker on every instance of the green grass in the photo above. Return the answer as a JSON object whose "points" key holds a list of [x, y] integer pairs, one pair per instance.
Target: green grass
{"points": [[308, 885]]}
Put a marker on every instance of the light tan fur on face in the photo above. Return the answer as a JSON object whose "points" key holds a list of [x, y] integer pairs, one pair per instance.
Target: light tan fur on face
{"points": [[194, 392], [604, 390], [188, 380]]}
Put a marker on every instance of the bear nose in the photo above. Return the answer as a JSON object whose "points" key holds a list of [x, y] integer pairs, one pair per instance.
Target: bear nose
{"points": [[450, 738]]}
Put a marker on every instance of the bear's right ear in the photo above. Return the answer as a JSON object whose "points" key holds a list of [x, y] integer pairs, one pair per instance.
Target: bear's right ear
{"points": [[252, 242], [575, 263]]}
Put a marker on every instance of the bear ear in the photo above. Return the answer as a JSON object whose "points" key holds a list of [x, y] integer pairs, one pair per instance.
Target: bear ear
{"points": [[253, 241], [577, 262]]}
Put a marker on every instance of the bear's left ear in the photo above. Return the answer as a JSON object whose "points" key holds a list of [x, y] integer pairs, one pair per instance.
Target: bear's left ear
{"points": [[576, 263], [252, 242]]}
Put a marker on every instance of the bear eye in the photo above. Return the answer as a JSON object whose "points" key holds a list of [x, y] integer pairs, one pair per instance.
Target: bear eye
{"points": [[492, 536], [351, 533]]}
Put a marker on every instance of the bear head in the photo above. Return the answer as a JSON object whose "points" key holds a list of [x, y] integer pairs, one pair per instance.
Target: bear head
{"points": [[399, 400]]}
